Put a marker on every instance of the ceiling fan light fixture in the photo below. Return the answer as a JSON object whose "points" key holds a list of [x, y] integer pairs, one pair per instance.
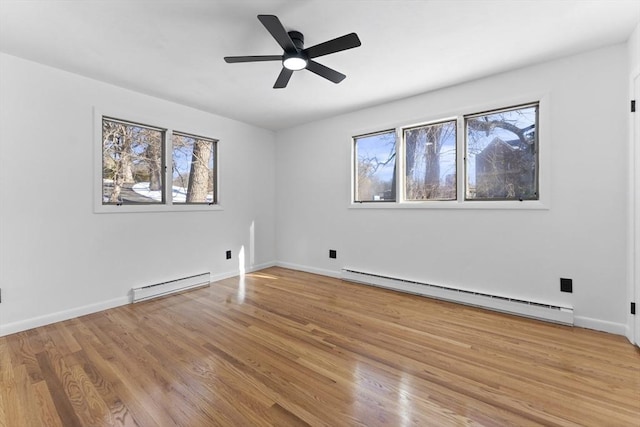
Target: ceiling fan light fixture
{"points": [[294, 63]]}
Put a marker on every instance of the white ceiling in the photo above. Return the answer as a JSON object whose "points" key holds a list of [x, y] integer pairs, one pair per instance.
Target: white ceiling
{"points": [[173, 49]]}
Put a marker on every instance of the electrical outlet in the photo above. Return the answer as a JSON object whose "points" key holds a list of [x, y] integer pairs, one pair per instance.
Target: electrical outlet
{"points": [[228, 254], [333, 253], [566, 285]]}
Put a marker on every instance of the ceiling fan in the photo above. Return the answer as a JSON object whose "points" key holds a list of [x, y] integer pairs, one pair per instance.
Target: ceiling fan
{"points": [[295, 57]]}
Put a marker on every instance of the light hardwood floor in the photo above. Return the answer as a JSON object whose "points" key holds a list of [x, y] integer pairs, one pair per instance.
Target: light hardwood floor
{"points": [[280, 347]]}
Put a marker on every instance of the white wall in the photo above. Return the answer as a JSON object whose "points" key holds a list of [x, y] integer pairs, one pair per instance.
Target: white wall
{"points": [[633, 49], [518, 253], [58, 258]]}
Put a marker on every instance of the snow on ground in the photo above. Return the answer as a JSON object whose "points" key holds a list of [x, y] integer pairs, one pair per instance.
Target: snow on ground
{"points": [[179, 193]]}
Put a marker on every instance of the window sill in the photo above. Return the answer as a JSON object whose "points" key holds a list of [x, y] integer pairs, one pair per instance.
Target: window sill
{"points": [[101, 209], [467, 205]]}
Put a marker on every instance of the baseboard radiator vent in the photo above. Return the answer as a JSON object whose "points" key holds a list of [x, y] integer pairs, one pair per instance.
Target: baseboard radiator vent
{"points": [[172, 286], [550, 313]]}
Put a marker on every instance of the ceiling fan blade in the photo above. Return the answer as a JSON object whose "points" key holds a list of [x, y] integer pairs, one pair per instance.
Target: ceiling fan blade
{"points": [[275, 27], [283, 78], [325, 72], [233, 59], [348, 41]]}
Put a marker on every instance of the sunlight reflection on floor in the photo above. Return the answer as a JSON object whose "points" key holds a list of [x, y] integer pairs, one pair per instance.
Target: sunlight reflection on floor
{"points": [[241, 290], [263, 276]]}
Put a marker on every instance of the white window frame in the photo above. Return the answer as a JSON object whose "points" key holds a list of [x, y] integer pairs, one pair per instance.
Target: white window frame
{"points": [[544, 160], [168, 206]]}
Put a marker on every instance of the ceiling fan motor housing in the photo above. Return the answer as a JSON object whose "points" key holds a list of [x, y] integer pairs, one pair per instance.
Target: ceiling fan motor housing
{"points": [[297, 38]]}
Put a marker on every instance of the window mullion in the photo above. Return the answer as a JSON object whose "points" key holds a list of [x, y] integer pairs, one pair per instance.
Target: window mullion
{"points": [[400, 167], [461, 150], [168, 167]]}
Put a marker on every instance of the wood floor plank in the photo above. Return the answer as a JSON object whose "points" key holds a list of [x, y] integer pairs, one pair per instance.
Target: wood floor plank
{"points": [[64, 407], [24, 346], [3, 417], [14, 411], [46, 408], [285, 348], [27, 398]]}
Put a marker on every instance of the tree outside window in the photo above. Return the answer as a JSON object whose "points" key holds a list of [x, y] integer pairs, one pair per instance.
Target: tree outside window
{"points": [[134, 165], [502, 155], [193, 169], [375, 167], [430, 161], [131, 163]]}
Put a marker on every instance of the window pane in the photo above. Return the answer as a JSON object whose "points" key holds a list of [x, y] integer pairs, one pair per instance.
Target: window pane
{"points": [[193, 169], [430, 162], [375, 157], [502, 155], [131, 163]]}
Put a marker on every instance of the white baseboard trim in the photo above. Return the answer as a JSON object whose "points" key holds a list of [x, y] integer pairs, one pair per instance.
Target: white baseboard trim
{"points": [[234, 273], [600, 325], [47, 319], [630, 334], [262, 266], [222, 276], [307, 269]]}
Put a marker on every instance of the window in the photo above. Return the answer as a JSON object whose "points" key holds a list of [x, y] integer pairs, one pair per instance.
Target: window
{"points": [[430, 161], [193, 169], [375, 167], [135, 172], [501, 155], [132, 157], [490, 157]]}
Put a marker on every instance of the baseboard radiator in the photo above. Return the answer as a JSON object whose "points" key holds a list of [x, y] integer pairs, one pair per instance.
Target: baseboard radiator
{"points": [[144, 293], [536, 310]]}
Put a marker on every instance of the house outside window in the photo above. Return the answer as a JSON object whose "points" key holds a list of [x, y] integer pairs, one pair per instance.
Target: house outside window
{"points": [[501, 153]]}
